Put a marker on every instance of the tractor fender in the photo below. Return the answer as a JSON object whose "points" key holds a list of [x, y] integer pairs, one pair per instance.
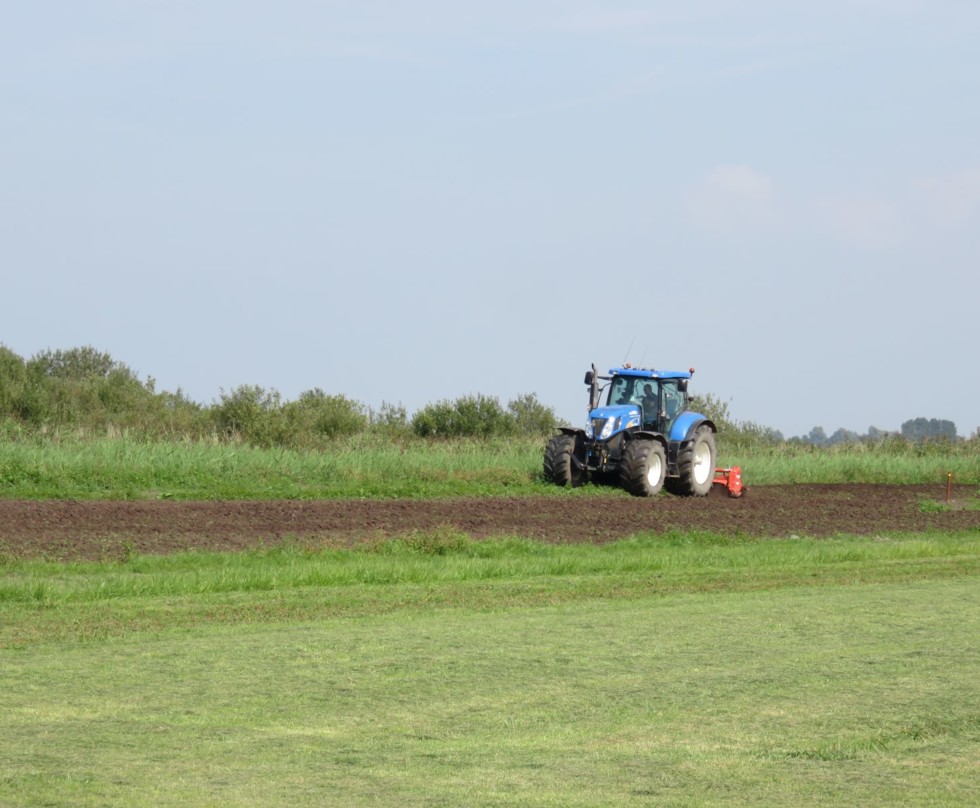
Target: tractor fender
{"points": [[570, 430], [686, 424]]}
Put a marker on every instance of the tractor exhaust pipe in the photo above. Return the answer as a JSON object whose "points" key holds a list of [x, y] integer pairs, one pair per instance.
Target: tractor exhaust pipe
{"points": [[592, 379]]}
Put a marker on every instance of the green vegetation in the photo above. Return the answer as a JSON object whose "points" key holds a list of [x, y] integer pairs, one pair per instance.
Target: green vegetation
{"points": [[445, 569], [362, 466], [78, 424], [690, 669], [892, 460], [375, 466], [83, 392]]}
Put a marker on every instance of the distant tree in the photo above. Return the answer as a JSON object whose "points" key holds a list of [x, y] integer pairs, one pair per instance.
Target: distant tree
{"points": [[919, 429], [816, 436], [843, 436], [915, 429]]}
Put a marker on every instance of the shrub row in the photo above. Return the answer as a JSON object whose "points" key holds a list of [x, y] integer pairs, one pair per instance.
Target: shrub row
{"points": [[87, 391]]}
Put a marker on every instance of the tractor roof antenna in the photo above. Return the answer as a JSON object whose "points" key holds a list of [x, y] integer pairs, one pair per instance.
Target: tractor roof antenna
{"points": [[642, 357], [628, 351]]}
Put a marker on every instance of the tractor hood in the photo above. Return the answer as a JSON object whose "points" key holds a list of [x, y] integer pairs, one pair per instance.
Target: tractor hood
{"points": [[604, 422]]}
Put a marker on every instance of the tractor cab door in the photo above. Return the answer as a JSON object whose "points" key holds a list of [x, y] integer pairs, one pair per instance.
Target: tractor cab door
{"points": [[673, 401]]}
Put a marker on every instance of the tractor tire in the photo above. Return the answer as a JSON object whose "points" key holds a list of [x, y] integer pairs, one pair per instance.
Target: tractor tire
{"points": [[695, 466], [560, 467], [643, 467]]}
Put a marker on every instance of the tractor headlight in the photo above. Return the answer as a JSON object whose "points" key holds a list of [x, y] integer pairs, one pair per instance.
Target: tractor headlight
{"points": [[589, 432], [608, 428]]}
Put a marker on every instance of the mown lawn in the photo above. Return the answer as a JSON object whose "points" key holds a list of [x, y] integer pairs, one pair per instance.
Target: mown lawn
{"points": [[686, 671]]}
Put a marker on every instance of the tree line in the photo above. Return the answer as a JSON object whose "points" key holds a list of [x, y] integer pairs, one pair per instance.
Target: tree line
{"points": [[914, 430], [88, 391]]}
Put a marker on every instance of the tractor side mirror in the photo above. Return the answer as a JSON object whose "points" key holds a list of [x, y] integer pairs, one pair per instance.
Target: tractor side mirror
{"points": [[589, 377], [682, 385]]}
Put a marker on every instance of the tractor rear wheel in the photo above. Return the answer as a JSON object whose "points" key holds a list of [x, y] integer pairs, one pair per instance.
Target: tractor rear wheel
{"points": [[642, 469], [695, 465], [560, 454]]}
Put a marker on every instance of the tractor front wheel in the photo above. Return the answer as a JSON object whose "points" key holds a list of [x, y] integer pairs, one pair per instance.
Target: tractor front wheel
{"points": [[560, 455], [643, 467], [695, 465]]}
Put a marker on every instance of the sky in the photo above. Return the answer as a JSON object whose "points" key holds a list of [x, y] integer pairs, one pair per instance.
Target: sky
{"points": [[407, 203]]}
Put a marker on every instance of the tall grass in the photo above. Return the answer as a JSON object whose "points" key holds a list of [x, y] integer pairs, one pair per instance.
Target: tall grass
{"points": [[374, 466], [362, 466], [897, 462]]}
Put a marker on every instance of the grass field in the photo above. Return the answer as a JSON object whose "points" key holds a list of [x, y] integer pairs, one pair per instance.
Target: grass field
{"points": [[676, 669], [672, 670], [367, 466]]}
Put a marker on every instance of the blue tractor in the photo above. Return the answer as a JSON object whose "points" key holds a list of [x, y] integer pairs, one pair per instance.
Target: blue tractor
{"points": [[644, 436]]}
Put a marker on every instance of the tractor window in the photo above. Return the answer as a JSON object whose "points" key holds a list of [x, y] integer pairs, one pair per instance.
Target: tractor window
{"points": [[674, 401], [622, 390]]}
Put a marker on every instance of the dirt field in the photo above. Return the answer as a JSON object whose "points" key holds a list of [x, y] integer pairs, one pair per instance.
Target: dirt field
{"points": [[99, 530]]}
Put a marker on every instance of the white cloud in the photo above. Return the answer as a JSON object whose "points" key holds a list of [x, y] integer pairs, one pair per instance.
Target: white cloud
{"points": [[733, 199]]}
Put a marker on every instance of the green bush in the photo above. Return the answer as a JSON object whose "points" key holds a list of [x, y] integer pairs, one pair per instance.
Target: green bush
{"points": [[471, 416], [482, 416], [712, 408], [531, 417], [390, 419], [319, 415], [79, 387], [250, 413], [13, 384], [76, 364], [174, 416]]}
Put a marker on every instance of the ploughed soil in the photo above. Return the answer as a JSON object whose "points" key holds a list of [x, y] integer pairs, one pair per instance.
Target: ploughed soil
{"points": [[101, 530]]}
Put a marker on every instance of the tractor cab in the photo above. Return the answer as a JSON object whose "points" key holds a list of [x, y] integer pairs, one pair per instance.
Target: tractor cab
{"points": [[660, 399], [637, 398]]}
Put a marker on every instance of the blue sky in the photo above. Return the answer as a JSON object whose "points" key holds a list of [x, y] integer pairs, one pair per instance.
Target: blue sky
{"points": [[406, 203]]}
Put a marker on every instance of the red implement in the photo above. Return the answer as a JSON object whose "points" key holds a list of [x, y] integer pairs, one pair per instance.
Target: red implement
{"points": [[731, 478]]}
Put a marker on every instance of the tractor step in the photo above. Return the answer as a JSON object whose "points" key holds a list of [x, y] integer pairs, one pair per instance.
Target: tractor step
{"points": [[731, 478]]}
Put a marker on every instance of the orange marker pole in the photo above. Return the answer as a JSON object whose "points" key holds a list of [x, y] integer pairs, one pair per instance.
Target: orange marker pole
{"points": [[949, 484]]}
